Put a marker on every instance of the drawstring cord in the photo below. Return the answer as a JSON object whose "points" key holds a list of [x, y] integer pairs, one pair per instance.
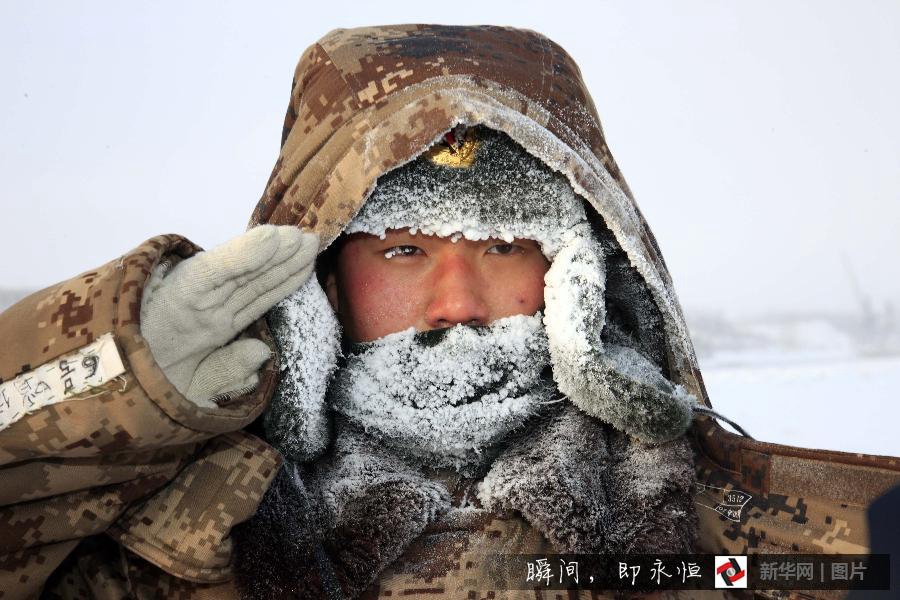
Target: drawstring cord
{"points": [[708, 412]]}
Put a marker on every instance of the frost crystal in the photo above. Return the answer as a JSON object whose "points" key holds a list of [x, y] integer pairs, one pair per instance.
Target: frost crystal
{"points": [[308, 337], [449, 395], [506, 194]]}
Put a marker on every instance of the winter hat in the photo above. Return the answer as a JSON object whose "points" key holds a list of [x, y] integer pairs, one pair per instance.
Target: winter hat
{"points": [[475, 183], [478, 183]]}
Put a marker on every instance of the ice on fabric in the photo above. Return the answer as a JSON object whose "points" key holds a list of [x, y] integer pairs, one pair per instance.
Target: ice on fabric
{"points": [[614, 383], [361, 464], [506, 194], [308, 334], [591, 489], [447, 401], [574, 296]]}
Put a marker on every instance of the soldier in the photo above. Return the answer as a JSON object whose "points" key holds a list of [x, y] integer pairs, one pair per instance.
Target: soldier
{"points": [[514, 374], [448, 426]]}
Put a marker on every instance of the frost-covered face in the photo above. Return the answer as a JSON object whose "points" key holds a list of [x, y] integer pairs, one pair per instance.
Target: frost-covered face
{"points": [[447, 396], [382, 286]]}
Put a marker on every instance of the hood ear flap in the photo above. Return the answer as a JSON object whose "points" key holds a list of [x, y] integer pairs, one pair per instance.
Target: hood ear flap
{"points": [[611, 381], [309, 337], [632, 317]]}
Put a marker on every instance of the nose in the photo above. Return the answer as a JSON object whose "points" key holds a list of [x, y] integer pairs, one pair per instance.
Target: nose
{"points": [[456, 296]]}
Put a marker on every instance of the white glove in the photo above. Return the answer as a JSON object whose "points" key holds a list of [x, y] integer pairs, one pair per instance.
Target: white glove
{"points": [[190, 312]]}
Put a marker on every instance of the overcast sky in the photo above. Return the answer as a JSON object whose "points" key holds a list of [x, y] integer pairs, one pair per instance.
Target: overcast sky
{"points": [[761, 139]]}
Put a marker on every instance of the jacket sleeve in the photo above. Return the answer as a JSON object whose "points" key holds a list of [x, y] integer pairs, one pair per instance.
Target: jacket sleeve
{"points": [[94, 438], [48, 406]]}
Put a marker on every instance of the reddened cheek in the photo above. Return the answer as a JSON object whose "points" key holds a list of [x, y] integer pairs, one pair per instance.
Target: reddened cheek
{"points": [[383, 305]]}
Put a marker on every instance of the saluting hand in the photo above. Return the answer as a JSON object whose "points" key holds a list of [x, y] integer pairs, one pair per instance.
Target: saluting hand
{"points": [[190, 312]]}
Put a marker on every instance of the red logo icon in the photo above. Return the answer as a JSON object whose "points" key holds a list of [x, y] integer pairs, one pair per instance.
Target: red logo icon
{"points": [[731, 571]]}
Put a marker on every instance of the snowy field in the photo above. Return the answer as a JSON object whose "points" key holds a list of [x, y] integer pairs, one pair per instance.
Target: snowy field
{"points": [[825, 381], [847, 404]]}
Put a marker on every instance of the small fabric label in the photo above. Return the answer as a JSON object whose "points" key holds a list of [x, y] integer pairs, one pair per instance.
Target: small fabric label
{"points": [[60, 380]]}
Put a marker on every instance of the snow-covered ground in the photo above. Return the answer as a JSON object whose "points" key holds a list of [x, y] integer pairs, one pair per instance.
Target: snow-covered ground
{"points": [[848, 404], [820, 381]]}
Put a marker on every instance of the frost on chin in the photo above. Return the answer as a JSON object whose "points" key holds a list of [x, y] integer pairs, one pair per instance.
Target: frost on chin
{"points": [[308, 336], [614, 383], [447, 397]]}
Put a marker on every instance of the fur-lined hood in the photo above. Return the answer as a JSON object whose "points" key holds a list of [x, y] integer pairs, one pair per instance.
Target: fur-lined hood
{"points": [[367, 101], [364, 101]]}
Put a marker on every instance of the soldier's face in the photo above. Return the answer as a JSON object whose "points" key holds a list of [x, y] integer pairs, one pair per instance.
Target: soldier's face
{"points": [[380, 286]]}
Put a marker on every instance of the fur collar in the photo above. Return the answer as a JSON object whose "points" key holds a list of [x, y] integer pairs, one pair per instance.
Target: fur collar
{"points": [[328, 530]]}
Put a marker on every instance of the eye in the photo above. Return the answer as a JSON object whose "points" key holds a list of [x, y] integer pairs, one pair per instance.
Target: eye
{"points": [[402, 251], [505, 249]]}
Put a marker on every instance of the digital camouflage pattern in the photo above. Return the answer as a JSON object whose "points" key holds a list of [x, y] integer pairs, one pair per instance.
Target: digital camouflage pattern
{"points": [[363, 101], [366, 100], [802, 500], [135, 460], [460, 556]]}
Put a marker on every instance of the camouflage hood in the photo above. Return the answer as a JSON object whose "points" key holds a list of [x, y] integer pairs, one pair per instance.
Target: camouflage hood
{"points": [[365, 101]]}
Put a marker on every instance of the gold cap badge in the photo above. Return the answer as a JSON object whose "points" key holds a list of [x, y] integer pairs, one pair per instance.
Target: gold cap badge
{"points": [[456, 150]]}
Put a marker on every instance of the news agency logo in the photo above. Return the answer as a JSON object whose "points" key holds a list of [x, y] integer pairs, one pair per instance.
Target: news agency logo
{"points": [[731, 572]]}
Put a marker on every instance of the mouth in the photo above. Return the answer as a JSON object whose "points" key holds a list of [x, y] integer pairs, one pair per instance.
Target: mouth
{"points": [[491, 388]]}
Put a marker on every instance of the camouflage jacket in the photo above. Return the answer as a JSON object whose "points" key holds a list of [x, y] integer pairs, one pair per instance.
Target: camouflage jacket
{"points": [[120, 452], [366, 100], [94, 439]]}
